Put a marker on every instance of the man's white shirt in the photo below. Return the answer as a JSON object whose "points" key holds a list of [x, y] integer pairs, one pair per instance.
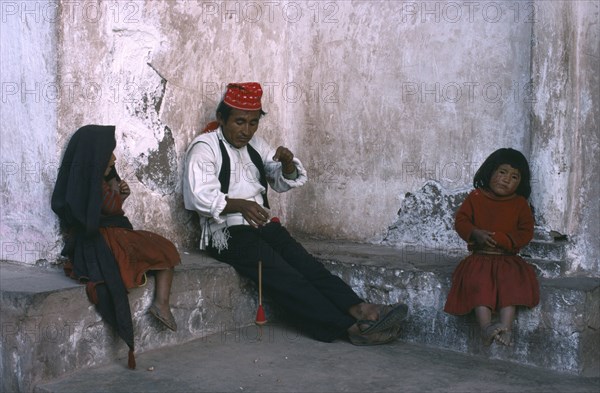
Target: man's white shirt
{"points": [[202, 189]]}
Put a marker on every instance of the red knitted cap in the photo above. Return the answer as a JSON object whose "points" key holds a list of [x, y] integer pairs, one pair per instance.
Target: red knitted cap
{"points": [[245, 96]]}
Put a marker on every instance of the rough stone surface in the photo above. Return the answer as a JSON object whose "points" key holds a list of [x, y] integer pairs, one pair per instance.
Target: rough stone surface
{"points": [[160, 174], [566, 319], [548, 250], [49, 328]]}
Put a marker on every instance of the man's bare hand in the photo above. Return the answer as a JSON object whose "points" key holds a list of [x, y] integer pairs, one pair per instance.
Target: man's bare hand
{"points": [[254, 213], [286, 157]]}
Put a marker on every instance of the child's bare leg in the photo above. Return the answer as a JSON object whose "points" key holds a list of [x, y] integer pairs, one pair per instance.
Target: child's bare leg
{"points": [[164, 278], [507, 316], [484, 316], [160, 307], [488, 331]]}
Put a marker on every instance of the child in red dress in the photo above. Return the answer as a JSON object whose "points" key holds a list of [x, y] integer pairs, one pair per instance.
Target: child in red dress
{"points": [[138, 251], [496, 221]]}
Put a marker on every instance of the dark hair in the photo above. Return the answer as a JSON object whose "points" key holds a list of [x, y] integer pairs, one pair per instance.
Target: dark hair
{"points": [[225, 111], [508, 156]]}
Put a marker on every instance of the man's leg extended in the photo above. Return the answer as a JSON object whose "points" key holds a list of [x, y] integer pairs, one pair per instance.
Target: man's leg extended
{"points": [[316, 313]]}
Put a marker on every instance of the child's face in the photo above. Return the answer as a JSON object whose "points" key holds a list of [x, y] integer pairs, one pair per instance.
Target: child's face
{"points": [[111, 162], [505, 180]]}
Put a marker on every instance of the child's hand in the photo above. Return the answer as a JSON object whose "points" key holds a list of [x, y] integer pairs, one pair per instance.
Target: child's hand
{"points": [[483, 238], [124, 189], [113, 184]]}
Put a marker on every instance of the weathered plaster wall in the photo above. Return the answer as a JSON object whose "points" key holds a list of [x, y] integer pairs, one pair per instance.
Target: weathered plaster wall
{"points": [[376, 98], [105, 50], [28, 147], [159, 69], [424, 91], [565, 129]]}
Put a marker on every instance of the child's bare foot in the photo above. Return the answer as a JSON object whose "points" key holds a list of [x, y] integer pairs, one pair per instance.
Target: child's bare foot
{"points": [[491, 332], [504, 337]]}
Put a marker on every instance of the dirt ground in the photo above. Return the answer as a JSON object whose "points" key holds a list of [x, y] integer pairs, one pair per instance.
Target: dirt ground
{"points": [[278, 359]]}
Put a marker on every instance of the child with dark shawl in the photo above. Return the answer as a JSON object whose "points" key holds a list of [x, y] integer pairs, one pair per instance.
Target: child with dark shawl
{"points": [[103, 250]]}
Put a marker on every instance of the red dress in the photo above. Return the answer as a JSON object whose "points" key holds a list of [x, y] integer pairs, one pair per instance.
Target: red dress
{"points": [[135, 251], [487, 279]]}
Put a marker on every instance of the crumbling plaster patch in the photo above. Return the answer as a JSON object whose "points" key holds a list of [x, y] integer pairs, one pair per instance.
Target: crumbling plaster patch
{"points": [[155, 166], [426, 219]]}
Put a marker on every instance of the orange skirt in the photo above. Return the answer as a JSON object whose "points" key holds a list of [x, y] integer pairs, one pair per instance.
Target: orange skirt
{"points": [[136, 252], [495, 281]]}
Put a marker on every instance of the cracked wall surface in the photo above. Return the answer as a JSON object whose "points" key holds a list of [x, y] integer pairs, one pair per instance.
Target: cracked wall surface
{"points": [[376, 98]]}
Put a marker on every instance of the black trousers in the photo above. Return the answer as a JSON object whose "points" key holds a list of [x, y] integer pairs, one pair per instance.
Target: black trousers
{"points": [[317, 300]]}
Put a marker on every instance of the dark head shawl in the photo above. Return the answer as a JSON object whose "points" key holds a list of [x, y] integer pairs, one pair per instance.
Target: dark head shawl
{"points": [[77, 200]]}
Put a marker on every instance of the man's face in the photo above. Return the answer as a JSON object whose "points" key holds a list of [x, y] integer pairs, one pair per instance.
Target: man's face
{"points": [[240, 126]]}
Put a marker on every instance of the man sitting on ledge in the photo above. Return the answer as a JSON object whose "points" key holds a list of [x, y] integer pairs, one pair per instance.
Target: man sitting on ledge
{"points": [[227, 173]]}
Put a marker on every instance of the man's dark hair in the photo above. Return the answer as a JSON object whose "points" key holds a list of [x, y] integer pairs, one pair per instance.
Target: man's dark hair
{"points": [[225, 111], [508, 156]]}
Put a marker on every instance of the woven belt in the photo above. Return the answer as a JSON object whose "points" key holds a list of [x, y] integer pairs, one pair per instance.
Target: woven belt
{"points": [[493, 252]]}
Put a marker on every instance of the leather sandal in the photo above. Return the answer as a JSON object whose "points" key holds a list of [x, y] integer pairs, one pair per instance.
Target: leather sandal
{"points": [[168, 321], [389, 317], [379, 338]]}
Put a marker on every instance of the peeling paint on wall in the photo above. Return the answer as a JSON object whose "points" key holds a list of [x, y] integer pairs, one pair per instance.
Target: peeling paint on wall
{"points": [[426, 219], [362, 92], [160, 173], [148, 106], [156, 167]]}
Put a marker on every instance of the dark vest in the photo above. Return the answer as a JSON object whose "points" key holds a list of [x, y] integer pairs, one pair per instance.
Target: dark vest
{"points": [[225, 172]]}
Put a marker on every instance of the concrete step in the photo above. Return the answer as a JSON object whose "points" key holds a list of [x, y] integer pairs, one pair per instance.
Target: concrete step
{"points": [[281, 360], [562, 333], [49, 327]]}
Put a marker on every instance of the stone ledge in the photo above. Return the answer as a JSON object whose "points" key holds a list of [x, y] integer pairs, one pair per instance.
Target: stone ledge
{"points": [[49, 328], [562, 333]]}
